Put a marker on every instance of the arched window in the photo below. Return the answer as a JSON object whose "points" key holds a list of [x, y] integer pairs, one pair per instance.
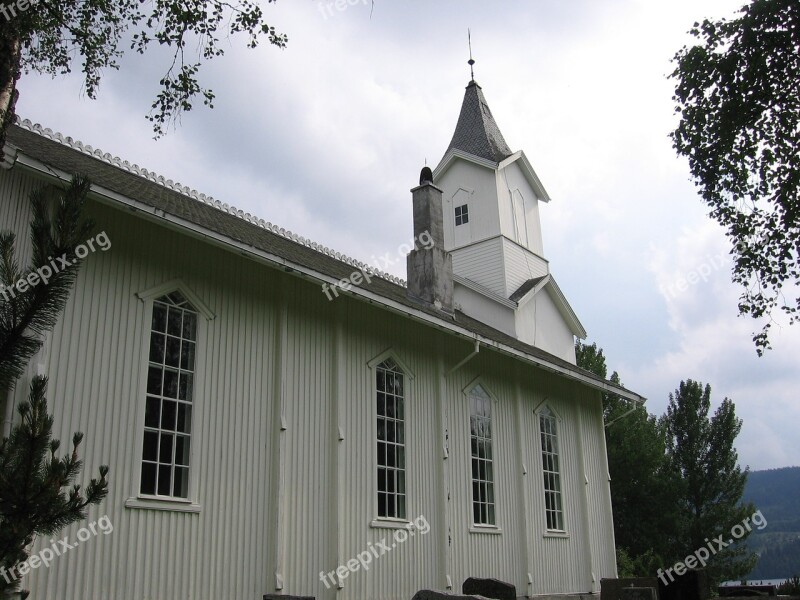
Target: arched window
{"points": [[480, 424], [390, 396], [168, 403], [551, 468]]}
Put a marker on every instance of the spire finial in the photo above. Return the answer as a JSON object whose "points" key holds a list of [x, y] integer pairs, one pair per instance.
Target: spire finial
{"points": [[470, 62]]}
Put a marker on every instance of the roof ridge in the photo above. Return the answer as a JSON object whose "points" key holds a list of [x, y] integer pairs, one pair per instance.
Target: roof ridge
{"points": [[154, 177]]}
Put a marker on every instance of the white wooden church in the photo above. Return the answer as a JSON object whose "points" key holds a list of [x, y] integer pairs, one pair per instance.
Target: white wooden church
{"points": [[265, 440]]}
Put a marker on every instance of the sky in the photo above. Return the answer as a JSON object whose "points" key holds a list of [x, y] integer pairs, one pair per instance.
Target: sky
{"points": [[326, 138]]}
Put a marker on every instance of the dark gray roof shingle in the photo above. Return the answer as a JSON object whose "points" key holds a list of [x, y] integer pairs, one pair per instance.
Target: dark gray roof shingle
{"points": [[477, 132], [525, 288]]}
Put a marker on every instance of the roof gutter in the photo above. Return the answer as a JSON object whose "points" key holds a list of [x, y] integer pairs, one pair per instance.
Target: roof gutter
{"points": [[112, 198]]}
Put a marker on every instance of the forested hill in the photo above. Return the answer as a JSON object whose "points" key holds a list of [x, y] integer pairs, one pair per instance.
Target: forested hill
{"points": [[776, 493]]}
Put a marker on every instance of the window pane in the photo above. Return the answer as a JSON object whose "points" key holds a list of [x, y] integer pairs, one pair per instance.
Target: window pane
{"points": [[171, 384], [181, 487], [174, 321], [182, 450], [382, 505], [390, 482], [381, 480], [381, 454], [152, 413], [186, 388], [381, 383], [187, 356], [169, 410], [150, 446], [148, 485], [189, 326], [390, 400], [398, 384], [164, 477], [184, 424], [157, 342], [159, 317], [173, 351], [165, 450], [154, 381]]}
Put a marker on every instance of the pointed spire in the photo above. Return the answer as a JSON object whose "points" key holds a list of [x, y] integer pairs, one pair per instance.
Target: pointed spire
{"points": [[471, 61], [477, 132]]}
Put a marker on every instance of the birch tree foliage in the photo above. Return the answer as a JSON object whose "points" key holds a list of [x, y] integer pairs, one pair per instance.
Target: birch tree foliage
{"points": [[60, 36], [738, 97]]}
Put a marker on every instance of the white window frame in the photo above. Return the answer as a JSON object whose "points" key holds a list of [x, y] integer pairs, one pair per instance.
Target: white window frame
{"points": [[486, 479], [463, 209], [552, 471], [204, 315], [374, 365], [467, 392]]}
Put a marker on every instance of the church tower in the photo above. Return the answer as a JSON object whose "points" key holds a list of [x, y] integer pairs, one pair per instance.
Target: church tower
{"points": [[491, 198]]}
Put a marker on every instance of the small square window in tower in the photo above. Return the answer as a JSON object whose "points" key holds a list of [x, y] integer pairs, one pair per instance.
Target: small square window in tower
{"points": [[462, 215]]}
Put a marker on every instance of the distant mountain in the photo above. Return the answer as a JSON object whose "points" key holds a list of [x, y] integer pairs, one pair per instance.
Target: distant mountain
{"points": [[776, 493]]}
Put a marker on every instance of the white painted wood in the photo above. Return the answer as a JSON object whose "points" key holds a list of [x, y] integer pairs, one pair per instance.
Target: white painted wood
{"points": [[285, 438], [539, 323]]}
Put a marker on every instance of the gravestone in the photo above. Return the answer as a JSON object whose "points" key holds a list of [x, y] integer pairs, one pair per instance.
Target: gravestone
{"points": [[610, 588], [490, 588], [638, 593], [692, 585], [431, 595]]}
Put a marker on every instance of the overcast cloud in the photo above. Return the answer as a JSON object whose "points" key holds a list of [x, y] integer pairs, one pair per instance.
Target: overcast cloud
{"points": [[327, 137]]}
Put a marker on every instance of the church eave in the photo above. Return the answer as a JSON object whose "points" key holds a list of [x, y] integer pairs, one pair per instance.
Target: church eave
{"points": [[54, 157]]}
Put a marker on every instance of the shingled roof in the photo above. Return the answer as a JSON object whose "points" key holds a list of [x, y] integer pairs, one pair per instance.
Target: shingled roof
{"points": [[477, 132], [47, 152]]}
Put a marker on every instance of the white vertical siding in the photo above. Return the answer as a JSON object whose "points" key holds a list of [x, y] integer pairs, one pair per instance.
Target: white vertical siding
{"points": [[282, 497], [15, 216]]}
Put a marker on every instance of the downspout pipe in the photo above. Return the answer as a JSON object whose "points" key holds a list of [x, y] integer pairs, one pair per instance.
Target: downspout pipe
{"points": [[467, 359], [635, 406]]}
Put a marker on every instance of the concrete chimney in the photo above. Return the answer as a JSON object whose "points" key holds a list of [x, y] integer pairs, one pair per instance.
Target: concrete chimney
{"points": [[430, 268]]}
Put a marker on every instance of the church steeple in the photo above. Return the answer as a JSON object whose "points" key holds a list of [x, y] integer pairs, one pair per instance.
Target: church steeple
{"points": [[490, 199], [477, 132]]}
